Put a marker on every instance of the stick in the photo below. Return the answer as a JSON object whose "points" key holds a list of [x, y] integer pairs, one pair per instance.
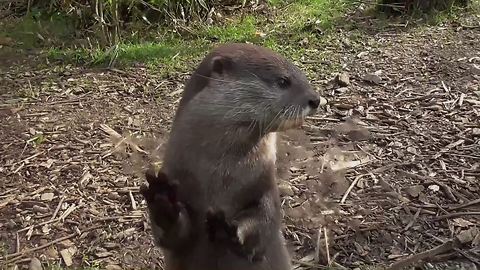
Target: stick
{"points": [[446, 189], [38, 225], [470, 203], [459, 214], [448, 147], [18, 242], [58, 208], [132, 200], [410, 224], [419, 98], [354, 182], [311, 265], [325, 234], [417, 258], [377, 170], [22, 253], [28, 158]]}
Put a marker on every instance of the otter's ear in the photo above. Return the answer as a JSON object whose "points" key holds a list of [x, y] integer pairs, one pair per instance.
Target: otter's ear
{"points": [[221, 64]]}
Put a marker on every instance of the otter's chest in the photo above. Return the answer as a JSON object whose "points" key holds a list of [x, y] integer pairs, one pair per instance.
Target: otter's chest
{"points": [[245, 180], [227, 181]]}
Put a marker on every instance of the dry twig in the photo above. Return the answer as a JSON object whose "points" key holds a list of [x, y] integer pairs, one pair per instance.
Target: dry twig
{"points": [[420, 257]]}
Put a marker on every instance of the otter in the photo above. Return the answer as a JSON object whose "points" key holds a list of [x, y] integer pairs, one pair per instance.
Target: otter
{"points": [[215, 203], [171, 222]]}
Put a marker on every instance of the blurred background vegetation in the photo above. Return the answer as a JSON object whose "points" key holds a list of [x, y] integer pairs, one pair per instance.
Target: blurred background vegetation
{"points": [[108, 32]]}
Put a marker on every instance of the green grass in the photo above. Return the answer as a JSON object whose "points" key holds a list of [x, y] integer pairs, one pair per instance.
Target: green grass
{"points": [[239, 30], [453, 13], [321, 12], [417, 17], [59, 267], [291, 23], [35, 30], [282, 33]]}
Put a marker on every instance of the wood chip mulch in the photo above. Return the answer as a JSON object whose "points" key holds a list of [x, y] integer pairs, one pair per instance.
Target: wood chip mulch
{"points": [[387, 174]]}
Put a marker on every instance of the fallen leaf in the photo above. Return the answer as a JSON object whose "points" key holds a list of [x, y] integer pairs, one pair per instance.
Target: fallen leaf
{"points": [[113, 267], [52, 253], [103, 254], [67, 255], [460, 222], [6, 41], [47, 164], [65, 244]]}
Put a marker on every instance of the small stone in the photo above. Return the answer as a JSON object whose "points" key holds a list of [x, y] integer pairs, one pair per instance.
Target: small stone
{"points": [[362, 54], [323, 101], [40, 209], [476, 132], [361, 134], [113, 196], [35, 264], [47, 196], [373, 78], [110, 245], [343, 79], [341, 90], [304, 42], [412, 150], [434, 188], [285, 189]]}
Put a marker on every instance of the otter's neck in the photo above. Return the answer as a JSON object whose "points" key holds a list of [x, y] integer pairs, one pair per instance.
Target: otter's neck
{"points": [[218, 140]]}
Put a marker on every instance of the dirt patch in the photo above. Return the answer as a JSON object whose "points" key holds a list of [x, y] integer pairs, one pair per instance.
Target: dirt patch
{"points": [[391, 168]]}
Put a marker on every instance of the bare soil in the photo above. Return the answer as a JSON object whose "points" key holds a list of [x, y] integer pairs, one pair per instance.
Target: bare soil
{"points": [[393, 164]]}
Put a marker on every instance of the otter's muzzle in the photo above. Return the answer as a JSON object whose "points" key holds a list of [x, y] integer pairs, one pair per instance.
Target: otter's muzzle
{"points": [[313, 101]]}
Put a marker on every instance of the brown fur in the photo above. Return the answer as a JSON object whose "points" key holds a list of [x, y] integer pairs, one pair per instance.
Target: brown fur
{"points": [[222, 153]]}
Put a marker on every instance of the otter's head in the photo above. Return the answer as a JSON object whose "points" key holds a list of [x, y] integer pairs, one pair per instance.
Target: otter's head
{"points": [[250, 85]]}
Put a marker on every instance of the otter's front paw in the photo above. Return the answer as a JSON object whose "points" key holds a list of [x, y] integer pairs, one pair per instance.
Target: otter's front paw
{"points": [[161, 198], [237, 236]]}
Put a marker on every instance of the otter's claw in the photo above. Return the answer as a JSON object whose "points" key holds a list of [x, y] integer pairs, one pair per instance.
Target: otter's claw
{"points": [[161, 198], [232, 235]]}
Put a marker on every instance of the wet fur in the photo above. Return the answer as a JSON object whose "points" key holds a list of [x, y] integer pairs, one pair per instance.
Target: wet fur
{"points": [[222, 152]]}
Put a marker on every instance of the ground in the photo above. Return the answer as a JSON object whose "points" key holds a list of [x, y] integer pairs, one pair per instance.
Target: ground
{"points": [[390, 167]]}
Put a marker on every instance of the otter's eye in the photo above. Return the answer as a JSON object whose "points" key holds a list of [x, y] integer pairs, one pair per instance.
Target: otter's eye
{"points": [[284, 82]]}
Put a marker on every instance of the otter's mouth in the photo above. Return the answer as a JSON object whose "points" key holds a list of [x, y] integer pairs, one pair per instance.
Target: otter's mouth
{"points": [[308, 112]]}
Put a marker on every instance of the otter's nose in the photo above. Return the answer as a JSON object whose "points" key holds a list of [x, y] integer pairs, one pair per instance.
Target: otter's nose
{"points": [[314, 102]]}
